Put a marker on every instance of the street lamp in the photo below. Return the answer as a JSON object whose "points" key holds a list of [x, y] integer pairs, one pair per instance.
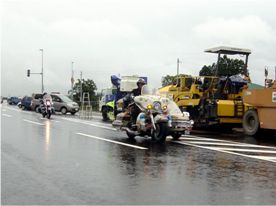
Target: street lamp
{"points": [[42, 87]]}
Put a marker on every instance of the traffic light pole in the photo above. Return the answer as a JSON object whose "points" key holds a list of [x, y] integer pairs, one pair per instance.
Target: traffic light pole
{"points": [[41, 73]]}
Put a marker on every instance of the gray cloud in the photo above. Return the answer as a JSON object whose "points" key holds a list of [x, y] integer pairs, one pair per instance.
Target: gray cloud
{"points": [[127, 37]]}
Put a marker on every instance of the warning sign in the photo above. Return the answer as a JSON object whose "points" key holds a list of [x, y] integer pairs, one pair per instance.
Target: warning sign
{"points": [[273, 96]]}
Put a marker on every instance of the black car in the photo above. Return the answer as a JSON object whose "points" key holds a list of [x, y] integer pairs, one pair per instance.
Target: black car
{"points": [[26, 103], [13, 100]]}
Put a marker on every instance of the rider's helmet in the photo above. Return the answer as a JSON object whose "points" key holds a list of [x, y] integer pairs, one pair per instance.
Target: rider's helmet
{"points": [[141, 81]]}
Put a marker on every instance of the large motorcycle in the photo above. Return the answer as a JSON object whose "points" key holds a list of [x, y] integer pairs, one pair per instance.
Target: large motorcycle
{"points": [[158, 117], [46, 107]]}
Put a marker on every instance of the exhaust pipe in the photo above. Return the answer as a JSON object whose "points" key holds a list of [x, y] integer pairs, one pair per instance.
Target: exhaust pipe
{"points": [[130, 131]]}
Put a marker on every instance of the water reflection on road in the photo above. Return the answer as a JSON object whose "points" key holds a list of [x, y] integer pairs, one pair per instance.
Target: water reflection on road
{"points": [[211, 174]]}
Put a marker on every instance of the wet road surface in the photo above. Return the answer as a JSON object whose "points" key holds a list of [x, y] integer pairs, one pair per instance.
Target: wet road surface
{"points": [[70, 161]]}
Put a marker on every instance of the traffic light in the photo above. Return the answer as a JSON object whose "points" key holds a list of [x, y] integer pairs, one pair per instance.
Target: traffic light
{"points": [[28, 72]]}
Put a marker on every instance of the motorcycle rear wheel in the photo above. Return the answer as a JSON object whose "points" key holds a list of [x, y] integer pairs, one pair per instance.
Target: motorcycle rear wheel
{"points": [[130, 136]]}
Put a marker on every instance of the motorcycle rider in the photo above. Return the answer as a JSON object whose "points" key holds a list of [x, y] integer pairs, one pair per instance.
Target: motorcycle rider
{"points": [[129, 98], [45, 97], [135, 92], [140, 83]]}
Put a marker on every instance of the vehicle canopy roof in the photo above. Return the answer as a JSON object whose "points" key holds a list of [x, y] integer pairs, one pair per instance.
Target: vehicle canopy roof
{"points": [[229, 50]]}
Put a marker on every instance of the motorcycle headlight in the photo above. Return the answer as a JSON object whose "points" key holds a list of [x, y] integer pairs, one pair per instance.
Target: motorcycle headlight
{"points": [[149, 106], [48, 103], [165, 107], [157, 106]]}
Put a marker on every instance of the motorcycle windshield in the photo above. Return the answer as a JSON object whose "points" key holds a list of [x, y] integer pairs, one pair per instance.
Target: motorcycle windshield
{"points": [[149, 96], [146, 90], [173, 109]]}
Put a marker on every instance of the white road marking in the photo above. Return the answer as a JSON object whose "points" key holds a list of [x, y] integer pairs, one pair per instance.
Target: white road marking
{"points": [[89, 123], [247, 150], [196, 138], [18, 110], [229, 144], [104, 127], [96, 117], [264, 157], [201, 139], [26, 120], [225, 151], [6, 115], [4, 110], [112, 141]]}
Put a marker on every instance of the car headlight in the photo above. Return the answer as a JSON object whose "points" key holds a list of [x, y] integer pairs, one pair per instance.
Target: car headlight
{"points": [[157, 106]]}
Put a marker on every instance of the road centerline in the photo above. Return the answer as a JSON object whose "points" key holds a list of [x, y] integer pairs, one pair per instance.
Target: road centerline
{"points": [[6, 115], [37, 123]]}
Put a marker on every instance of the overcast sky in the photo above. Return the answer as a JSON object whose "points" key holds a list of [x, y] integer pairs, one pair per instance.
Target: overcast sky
{"points": [[126, 37]]}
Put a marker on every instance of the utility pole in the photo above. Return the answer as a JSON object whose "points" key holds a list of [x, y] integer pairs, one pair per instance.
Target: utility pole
{"points": [[42, 87], [72, 77], [266, 74], [178, 66], [80, 86]]}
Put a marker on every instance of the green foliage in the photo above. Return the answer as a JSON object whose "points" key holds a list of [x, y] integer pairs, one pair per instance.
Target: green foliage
{"points": [[168, 79], [87, 86], [207, 70], [227, 67]]}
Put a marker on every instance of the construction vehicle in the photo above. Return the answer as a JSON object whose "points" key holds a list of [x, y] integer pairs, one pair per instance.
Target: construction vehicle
{"points": [[262, 112], [111, 102], [212, 100]]}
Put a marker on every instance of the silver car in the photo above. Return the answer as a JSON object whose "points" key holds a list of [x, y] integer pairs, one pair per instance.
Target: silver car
{"points": [[64, 104]]}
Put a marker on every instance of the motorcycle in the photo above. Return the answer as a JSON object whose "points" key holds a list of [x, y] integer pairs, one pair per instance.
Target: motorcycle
{"points": [[158, 117], [46, 107]]}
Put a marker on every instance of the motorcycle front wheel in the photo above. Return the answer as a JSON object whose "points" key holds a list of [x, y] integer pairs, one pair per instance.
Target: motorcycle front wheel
{"points": [[160, 134], [49, 115]]}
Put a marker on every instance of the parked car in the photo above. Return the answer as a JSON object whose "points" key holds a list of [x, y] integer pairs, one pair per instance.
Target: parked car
{"points": [[13, 100], [35, 101], [26, 103], [64, 104], [61, 103]]}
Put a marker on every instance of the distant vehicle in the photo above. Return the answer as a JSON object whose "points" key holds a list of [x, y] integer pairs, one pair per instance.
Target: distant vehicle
{"points": [[13, 100], [110, 104], [64, 104], [61, 103], [26, 103], [46, 106], [35, 103], [261, 115], [19, 104]]}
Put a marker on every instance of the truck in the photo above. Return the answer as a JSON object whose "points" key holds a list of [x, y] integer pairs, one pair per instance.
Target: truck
{"points": [[261, 114], [212, 100], [111, 102]]}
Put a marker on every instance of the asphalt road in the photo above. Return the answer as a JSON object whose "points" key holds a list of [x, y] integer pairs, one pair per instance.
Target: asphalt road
{"points": [[66, 160]]}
